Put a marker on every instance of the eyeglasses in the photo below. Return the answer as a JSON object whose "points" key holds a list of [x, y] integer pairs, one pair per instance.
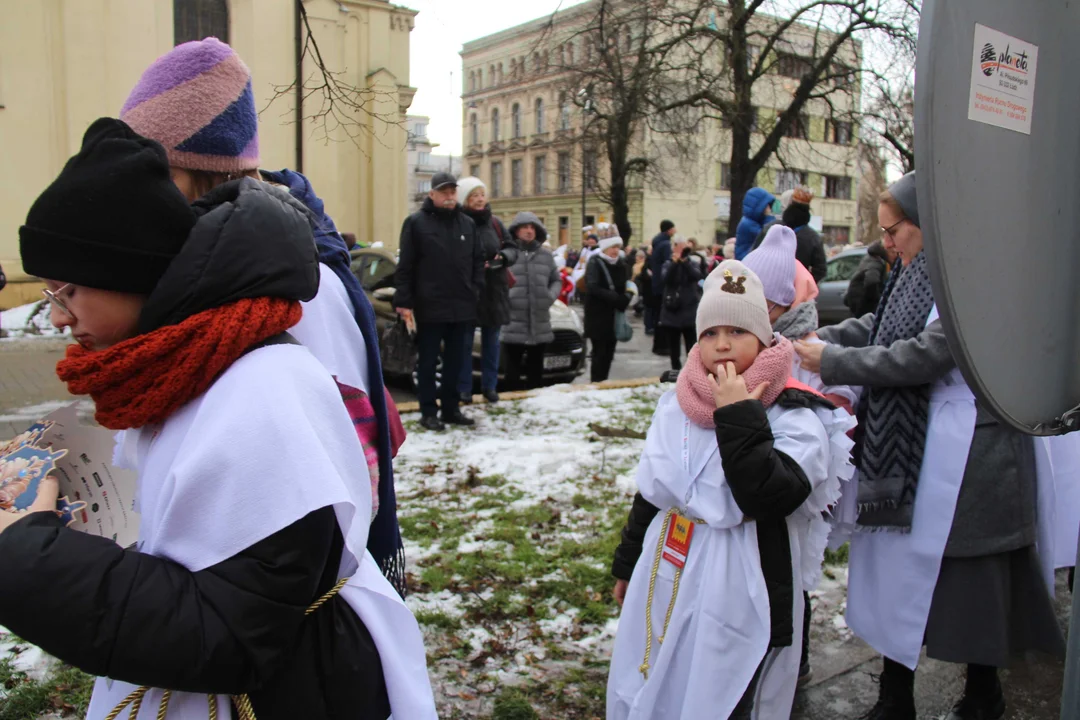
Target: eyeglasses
{"points": [[891, 230], [56, 302]]}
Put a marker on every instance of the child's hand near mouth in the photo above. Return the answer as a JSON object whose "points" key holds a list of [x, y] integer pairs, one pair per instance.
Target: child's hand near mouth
{"points": [[728, 387]]}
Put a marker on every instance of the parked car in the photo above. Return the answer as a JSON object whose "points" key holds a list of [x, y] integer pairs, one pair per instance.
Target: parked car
{"points": [[831, 290], [564, 358]]}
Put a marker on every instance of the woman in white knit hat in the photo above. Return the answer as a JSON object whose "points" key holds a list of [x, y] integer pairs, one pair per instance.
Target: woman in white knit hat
{"points": [[607, 292], [738, 466], [493, 307]]}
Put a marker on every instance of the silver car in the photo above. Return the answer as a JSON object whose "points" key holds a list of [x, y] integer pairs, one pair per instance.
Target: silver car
{"points": [[832, 288]]}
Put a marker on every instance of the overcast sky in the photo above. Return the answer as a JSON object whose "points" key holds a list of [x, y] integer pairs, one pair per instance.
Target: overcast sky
{"points": [[442, 27]]}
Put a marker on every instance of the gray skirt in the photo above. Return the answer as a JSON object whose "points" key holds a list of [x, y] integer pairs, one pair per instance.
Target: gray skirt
{"points": [[990, 608]]}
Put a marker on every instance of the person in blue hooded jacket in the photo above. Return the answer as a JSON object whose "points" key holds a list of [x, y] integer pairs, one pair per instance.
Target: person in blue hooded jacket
{"points": [[756, 214]]}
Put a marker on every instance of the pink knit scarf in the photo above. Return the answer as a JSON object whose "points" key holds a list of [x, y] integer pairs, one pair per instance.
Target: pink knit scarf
{"points": [[773, 365]]}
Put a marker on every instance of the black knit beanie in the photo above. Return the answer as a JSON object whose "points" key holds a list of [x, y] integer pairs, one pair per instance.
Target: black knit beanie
{"points": [[796, 215], [112, 220]]}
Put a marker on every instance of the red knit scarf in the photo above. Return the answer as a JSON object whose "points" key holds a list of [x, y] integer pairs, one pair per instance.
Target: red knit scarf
{"points": [[772, 366], [146, 379]]}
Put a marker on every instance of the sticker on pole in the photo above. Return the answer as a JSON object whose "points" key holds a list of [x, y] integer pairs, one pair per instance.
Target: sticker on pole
{"points": [[1002, 80]]}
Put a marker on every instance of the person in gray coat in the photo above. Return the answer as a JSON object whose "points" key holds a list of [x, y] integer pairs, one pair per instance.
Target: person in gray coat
{"points": [[990, 601], [536, 287]]}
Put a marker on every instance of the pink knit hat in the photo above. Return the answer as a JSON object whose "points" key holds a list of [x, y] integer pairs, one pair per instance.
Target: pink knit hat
{"points": [[774, 262], [197, 101]]}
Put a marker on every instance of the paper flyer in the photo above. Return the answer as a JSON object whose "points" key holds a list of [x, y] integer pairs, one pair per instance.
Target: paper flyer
{"points": [[95, 496]]}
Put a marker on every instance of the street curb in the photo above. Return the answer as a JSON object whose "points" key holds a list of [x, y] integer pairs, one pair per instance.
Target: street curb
{"points": [[406, 408]]}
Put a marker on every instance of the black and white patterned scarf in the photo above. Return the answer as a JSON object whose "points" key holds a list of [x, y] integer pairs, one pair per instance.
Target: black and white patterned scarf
{"points": [[891, 435]]}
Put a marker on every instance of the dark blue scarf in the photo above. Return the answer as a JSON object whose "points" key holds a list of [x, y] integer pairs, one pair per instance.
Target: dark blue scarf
{"points": [[384, 538]]}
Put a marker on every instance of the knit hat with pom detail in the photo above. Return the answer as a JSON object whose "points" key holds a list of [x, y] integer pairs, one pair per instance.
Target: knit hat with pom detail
{"points": [[774, 263], [197, 101], [112, 219], [733, 297]]}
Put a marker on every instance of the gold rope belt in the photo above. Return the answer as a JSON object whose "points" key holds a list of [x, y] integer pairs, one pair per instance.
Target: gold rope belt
{"points": [[644, 668], [134, 700]]}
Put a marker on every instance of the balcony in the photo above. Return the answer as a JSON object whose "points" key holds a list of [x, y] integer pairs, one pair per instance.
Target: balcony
{"points": [[428, 168]]}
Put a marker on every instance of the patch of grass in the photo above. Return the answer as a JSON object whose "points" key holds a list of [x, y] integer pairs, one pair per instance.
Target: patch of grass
{"points": [[512, 704], [65, 689], [838, 556], [438, 619], [435, 577]]}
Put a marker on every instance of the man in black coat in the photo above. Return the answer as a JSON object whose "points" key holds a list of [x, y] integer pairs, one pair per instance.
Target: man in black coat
{"points": [[439, 278], [809, 249]]}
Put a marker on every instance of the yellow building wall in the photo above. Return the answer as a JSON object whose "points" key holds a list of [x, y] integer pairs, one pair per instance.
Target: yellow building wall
{"points": [[65, 63]]}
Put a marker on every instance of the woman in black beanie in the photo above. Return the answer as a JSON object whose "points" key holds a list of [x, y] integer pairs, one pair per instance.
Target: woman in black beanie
{"points": [[248, 587]]}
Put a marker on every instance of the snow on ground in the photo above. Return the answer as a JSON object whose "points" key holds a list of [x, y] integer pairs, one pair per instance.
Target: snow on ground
{"points": [[25, 657], [28, 321], [509, 529]]}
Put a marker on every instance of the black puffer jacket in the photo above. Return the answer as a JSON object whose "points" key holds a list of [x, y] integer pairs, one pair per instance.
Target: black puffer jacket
{"points": [[868, 282], [767, 485], [602, 300], [493, 309], [238, 626], [440, 272], [681, 293]]}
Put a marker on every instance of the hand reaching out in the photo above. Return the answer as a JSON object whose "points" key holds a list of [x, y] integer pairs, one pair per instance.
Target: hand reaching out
{"points": [[728, 387], [810, 355]]}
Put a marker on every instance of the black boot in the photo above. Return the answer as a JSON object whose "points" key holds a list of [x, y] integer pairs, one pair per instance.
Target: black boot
{"points": [[896, 696], [983, 698]]}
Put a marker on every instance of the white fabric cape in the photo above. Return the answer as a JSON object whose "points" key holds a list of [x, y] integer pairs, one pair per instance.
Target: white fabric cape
{"points": [[1064, 452], [329, 330], [892, 575], [720, 624], [276, 416]]}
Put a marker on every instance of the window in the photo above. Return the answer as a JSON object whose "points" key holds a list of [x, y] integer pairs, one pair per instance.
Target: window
{"points": [[564, 172], [842, 268], [515, 119], [838, 132], [515, 178], [495, 125], [843, 76], [419, 130], [799, 128], [523, 66], [496, 179], [590, 169], [628, 40], [538, 61], [570, 54], [538, 112], [590, 219], [493, 77], [561, 56], [725, 176], [564, 112], [474, 171], [564, 222], [480, 78], [423, 186], [198, 19], [790, 179], [474, 130], [837, 188], [793, 66], [588, 52], [424, 159], [539, 171], [472, 81], [838, 235], [499, 70]]}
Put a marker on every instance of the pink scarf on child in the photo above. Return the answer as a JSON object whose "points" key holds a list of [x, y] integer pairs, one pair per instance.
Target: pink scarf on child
{"points": [[773, 365], [362, 413]]}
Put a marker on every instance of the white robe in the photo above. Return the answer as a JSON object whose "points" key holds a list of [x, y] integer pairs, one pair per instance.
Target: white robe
{"points": [[720, 624], [892, 575], [329, 330], [276, 416]]}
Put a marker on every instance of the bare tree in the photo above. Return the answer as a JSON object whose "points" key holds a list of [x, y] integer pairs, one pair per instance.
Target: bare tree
{"points": [[336, 109], [689, 63], [871, 183], [890, 113]]}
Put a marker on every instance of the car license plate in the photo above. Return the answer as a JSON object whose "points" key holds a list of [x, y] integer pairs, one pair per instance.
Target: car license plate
{"points": [[557, 362]]}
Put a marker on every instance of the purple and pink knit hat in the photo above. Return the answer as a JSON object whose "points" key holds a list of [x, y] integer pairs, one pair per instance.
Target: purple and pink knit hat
{"points": [[196, 100]]}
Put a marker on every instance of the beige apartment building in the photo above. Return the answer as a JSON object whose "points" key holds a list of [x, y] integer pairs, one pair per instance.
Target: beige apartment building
{"points": [[522, 136], [423, 163], [64, 63]]}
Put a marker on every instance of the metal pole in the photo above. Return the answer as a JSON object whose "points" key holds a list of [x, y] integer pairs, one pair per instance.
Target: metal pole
{"points": [[1070, 690], [584, 170]]}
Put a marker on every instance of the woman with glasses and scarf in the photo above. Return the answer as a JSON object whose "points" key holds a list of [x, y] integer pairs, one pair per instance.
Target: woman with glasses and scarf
{"points": [[945, 516], [251, 585]]}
